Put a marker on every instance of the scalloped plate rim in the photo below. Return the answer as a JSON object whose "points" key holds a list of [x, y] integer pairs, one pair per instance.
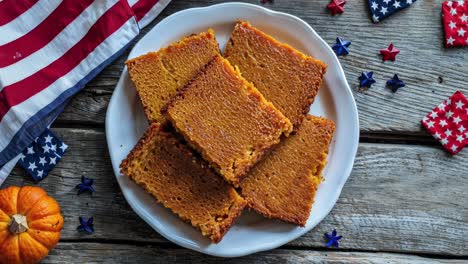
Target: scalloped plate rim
{"points": [[235, 252]]}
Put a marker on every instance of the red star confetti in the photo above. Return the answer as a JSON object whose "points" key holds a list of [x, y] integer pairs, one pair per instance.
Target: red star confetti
{"points": [[389, 53], [455, 21], [336, 6], [448, 123]]}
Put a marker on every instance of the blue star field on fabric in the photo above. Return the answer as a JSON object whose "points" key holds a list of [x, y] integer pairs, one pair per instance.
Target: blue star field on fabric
{"points": [[381, 9], [42, 155]]}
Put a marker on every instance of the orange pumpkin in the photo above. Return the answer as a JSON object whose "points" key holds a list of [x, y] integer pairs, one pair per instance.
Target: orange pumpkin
{"points": [[30, 224]]}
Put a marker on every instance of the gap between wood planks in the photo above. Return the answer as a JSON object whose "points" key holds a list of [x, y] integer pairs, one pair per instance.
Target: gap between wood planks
{"points": [[409, 138], [169, 245]]}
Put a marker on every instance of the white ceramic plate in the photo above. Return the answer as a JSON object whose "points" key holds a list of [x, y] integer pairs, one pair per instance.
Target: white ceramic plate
{"points": [[125, 124]]}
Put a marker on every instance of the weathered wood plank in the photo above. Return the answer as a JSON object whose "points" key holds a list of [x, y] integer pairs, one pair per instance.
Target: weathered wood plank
{"points": [[111, 253], [416, 31], [399, 198]]}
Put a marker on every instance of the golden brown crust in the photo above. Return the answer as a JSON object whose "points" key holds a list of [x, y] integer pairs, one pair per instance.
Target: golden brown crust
{"points": [[147, 136], [283, 184], [158, 75], [285, 76], [226, 119], [237, 209], [180, 181], [180, 93]]}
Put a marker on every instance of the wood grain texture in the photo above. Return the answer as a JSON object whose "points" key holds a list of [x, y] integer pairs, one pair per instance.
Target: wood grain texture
{"points": [[431, 72], [105, 253], [399, 198]]}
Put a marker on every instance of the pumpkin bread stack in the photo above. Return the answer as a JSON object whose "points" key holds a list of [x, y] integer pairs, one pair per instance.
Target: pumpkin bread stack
{"points": [[220, 129]]}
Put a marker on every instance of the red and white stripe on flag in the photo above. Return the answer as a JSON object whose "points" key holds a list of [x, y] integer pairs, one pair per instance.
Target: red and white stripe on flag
{"points": [[49, 49]]}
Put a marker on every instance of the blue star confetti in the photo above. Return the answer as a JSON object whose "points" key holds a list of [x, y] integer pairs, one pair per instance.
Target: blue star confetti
{"points": [[366, 80], [332, 239], [381, 9], [341, 47], [86, 185], [42, 155], [86, 225], [395, 83]]}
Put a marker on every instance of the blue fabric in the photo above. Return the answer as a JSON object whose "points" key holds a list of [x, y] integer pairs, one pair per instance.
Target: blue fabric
{"points": [[42, 155], [381, 9]]}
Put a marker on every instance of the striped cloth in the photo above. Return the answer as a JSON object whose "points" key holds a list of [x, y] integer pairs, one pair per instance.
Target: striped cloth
{"points": [[49, 49]]}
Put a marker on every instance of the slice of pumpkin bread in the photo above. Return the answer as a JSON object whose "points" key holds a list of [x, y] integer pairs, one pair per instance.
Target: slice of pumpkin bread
{"points": [[159, 75], [284, 183], [168, 170], [285, 76], [226, 119]]}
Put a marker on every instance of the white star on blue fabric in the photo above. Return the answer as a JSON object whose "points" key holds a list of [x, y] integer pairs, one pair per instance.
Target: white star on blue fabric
{"points": [[32, 166], [46, 148], [30, 150], [383, 10], [48, 139], [42, 161], [63, 147]]}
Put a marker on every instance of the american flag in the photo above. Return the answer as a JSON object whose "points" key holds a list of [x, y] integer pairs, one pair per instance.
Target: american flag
{"points": [[49, 49], [381, 9]]}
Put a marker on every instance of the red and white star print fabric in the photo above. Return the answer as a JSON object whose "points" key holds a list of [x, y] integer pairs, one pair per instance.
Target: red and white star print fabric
{"points": [[448, 123], [455, 20]]}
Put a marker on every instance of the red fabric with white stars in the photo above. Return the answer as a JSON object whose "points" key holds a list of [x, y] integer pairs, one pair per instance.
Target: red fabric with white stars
{"points": [[455, 20], [448, 123]]}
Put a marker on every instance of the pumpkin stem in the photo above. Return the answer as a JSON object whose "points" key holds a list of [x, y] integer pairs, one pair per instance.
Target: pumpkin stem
{"points": [[18, 224]]}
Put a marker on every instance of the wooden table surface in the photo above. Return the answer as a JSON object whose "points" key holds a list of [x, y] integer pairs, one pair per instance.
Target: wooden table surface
{"points": [[406, 200]]}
